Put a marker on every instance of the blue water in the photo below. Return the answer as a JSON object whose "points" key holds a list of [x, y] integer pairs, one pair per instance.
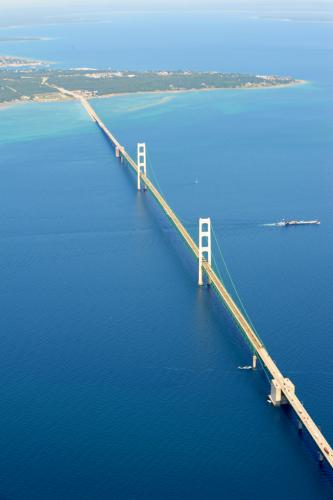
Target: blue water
{"points": [[119, 376]]}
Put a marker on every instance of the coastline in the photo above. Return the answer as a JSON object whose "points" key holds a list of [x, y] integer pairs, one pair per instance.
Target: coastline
{"points": [[62, 98], [185, 91]]}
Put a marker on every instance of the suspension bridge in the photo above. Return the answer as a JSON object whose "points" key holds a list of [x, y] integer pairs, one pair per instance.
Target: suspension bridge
{"points": [[282, 390]]}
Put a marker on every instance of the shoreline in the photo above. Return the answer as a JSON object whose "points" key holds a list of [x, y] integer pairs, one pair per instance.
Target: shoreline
{"points": [[8, 63], [185, 91], [61, 98]]}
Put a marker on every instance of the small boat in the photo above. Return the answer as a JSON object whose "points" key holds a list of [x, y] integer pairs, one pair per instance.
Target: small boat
{"points": [[247, 367], [285, 222]]}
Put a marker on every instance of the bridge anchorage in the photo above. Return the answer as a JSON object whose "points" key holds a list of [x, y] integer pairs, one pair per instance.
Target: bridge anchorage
{"points": [[282, 389]]}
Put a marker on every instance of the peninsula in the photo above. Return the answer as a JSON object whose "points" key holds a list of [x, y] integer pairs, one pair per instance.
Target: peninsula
{"points": [[6, 39], [42, 84], [18, 62]]}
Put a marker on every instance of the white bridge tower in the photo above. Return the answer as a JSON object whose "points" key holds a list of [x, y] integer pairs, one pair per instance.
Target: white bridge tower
{"points": [[205, 246], [141, 162]]}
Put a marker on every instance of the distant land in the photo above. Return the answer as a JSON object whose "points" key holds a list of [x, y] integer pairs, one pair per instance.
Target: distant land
{"points": [[36, 83], [4, 39], [18, 62], [46, 13]]}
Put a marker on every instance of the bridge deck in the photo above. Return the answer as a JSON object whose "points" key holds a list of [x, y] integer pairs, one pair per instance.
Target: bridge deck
{"points": [[253, 339]]}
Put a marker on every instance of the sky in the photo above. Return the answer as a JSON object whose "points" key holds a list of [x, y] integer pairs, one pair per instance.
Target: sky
{"points": [[189, 4]]}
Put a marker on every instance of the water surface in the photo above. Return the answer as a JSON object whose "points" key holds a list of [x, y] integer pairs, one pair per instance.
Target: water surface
{"points": [[119, 376]]}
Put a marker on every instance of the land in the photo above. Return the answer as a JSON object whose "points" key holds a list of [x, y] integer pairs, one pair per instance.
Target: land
{"points": [[4, 39], [18, 62], [36, 83]]}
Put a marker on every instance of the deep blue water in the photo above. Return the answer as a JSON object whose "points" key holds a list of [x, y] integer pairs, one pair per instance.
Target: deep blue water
{"points": [[119, 376]]}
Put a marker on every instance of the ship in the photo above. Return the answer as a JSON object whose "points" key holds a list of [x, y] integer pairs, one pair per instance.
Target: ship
{"points": [[285, 222]]}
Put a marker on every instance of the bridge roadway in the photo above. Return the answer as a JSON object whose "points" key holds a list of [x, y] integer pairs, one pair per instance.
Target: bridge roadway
{"points": [[259, 349]]}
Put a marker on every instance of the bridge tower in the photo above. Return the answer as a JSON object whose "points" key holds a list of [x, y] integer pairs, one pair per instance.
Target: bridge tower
{"points": [[141, 162], [205, 247]]}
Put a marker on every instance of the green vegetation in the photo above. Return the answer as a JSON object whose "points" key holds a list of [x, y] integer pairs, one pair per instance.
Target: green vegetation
{"points": [[40, 84]]}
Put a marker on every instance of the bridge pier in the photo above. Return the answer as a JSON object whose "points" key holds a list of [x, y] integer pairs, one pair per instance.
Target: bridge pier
{"points": [[142, 163], [119, 153], [277, 395], [205, 248]]}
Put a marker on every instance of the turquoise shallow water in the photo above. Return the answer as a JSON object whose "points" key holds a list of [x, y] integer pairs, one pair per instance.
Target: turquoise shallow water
{"points": [[119, 376]]}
